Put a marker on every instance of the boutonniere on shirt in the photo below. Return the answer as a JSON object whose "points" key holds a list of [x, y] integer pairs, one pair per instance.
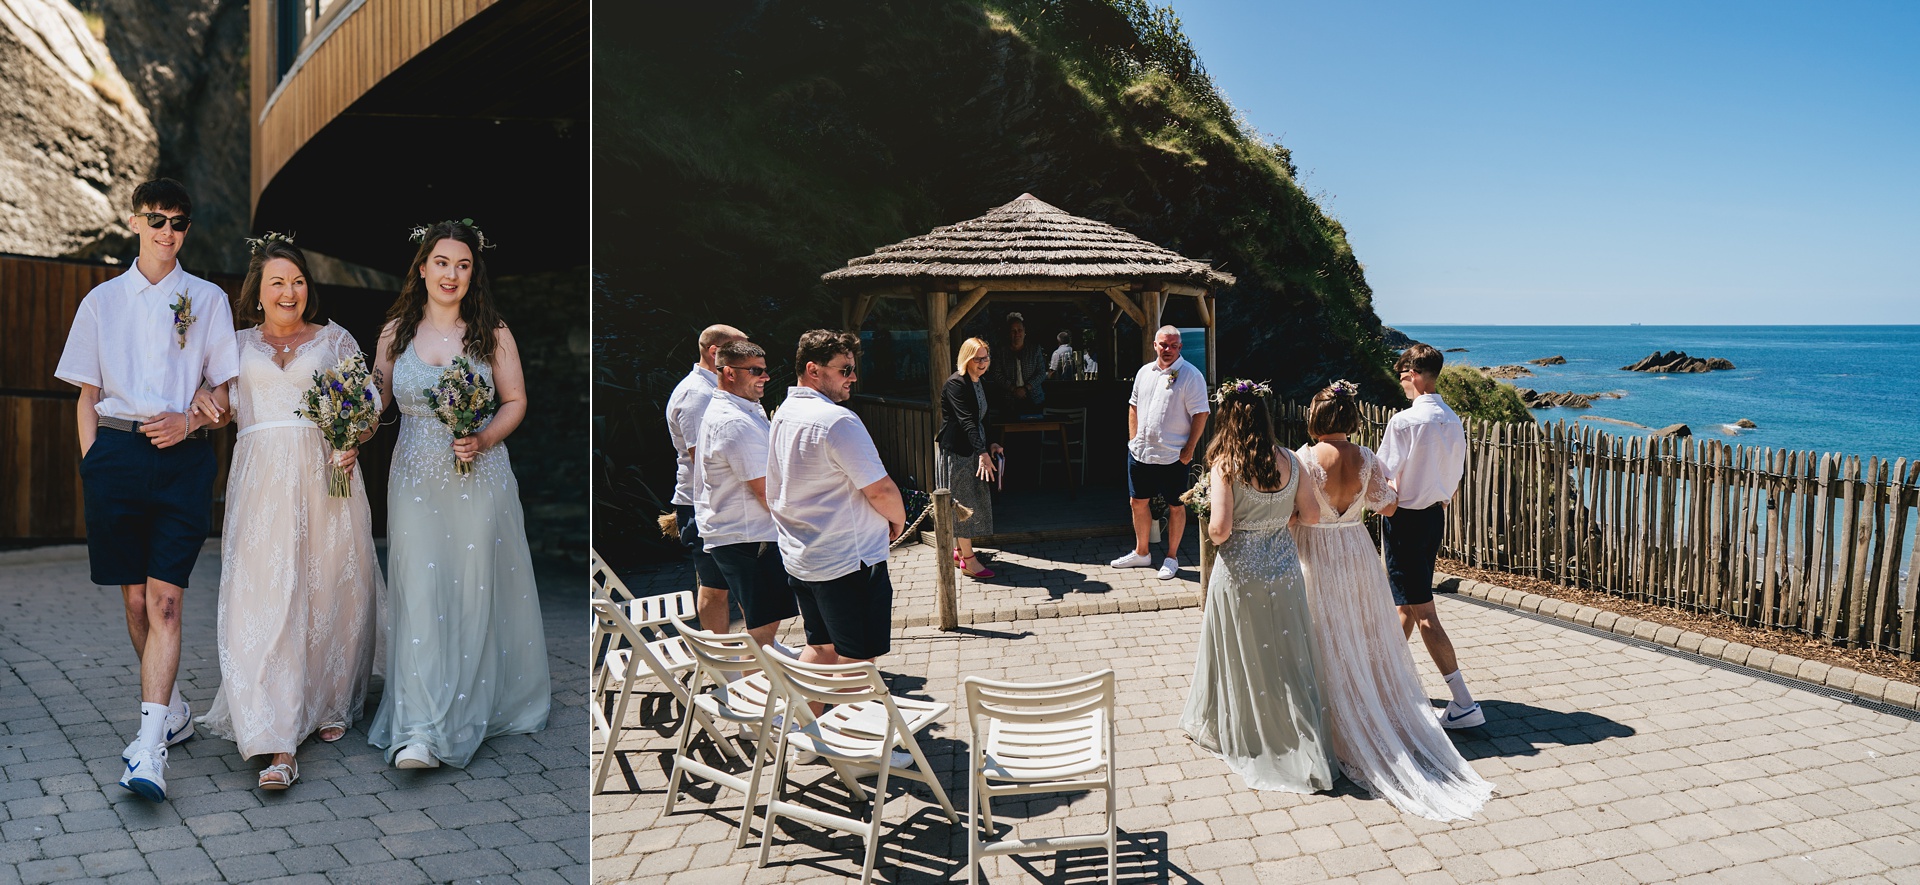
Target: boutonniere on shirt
{"points": [[1171, 377], [183, 318]]}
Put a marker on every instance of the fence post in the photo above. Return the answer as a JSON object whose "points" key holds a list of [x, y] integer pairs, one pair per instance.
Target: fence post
{"points": [[945, 581]]}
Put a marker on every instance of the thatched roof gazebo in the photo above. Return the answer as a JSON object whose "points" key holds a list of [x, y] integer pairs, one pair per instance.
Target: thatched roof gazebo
{"points": [[1026, 251]]}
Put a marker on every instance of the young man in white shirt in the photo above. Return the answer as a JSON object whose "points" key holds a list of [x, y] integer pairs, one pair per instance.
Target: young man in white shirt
{"points": [[730, 499], [685, 407], [1424, 449], [1165, 418], [834, 506], [151, 351]]}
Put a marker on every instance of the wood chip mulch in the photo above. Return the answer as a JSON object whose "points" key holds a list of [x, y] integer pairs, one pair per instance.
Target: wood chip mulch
{"points": [[1871, 661]]}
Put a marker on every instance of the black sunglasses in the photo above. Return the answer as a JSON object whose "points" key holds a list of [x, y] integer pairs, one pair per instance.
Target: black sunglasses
{"points": [[847, 371], [158, 220], [755, 371]]}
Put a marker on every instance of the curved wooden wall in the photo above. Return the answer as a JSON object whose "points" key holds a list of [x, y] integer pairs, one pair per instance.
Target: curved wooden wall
{"points": [[368, 44]]}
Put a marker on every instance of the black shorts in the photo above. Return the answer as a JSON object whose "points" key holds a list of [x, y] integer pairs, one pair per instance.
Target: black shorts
{"points": [[757, 581], [148, 509], [853, 613], [1412, 540], [703, 567], [1169, 481]]}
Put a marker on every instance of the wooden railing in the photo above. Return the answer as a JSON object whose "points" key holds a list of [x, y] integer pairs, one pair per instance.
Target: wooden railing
{"points": [[902, 430], [1816, 543]]}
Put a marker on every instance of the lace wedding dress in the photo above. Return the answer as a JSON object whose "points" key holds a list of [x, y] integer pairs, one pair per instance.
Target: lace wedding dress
{"points": [[1256, 701], [469, 651], [1385, 734], [300, 624]]}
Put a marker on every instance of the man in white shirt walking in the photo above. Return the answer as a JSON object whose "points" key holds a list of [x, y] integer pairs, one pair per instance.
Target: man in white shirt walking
{"points": [[151, 351], [730, 498], [1424, 449], [834, 506], [685, 407], [1165, 418]]}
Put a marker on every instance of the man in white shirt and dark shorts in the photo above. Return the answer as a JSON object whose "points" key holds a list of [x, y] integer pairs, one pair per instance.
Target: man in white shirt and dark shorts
{"points": [[730, 500], [685, 407], [1424, 449], [152, 351], [834, 505], [1165, 418]]}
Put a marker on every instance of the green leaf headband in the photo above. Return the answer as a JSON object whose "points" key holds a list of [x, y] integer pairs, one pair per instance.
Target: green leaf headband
{"points": [[419, 234], [258, 245]]}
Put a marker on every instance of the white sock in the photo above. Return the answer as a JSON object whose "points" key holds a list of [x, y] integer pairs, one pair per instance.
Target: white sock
{"points": [[178, 699], [1458, 684], [153, 725]]}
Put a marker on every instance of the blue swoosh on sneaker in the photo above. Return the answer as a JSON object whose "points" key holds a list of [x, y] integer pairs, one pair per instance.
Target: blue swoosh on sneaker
{"points": [[1469, 712], [133, 766]]}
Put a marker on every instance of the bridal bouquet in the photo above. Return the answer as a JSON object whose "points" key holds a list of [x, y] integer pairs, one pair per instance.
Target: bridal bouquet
{"points": [[1199, 499], [343, 403], [462, 400]]}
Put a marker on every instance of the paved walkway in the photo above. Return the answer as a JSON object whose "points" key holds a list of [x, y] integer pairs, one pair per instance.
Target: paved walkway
{"points": [[1615, 763], [68, 700]]}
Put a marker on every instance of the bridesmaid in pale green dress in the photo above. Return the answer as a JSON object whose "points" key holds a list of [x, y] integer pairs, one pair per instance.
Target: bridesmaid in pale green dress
{"points": [[468, 655], [1256, 701]]}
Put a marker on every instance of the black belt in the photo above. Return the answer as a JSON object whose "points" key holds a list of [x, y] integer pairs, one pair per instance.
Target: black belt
{"points": [[134, 427]]}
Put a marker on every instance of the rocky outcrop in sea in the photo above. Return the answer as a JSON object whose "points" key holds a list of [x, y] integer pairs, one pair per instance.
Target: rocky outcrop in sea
{"points": [[1548, 399], [1555, 360], [1506, 373], [1678, 361]]}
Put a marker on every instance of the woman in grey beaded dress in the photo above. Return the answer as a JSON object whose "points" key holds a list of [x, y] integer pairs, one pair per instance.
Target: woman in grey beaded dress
{"points": [[1256, 701], [468, 656], [965, 462]]}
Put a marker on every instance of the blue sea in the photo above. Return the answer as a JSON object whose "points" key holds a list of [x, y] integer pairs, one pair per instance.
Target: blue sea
{"points": [[1845, 389]]}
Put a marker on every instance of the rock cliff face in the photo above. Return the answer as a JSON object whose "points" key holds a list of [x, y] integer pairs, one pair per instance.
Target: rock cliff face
{"points": [[1678, 361], [96, 97]]}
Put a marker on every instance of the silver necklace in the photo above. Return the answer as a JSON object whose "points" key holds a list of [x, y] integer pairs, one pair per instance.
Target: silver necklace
{"points": [[442, 337]]}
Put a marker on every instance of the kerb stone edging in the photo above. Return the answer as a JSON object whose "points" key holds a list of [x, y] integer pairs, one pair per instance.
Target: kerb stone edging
{"points": [[1865, 685]]}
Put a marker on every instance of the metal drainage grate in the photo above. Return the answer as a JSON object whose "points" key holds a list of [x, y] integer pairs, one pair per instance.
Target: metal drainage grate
{"points": [[1775, 678]]}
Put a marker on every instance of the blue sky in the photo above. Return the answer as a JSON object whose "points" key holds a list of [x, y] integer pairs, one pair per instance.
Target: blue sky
{"points": [[1616, 162]]}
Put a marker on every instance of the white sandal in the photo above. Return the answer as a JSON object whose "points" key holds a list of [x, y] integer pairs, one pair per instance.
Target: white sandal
{"points": [[288, 773], [340, 727]]}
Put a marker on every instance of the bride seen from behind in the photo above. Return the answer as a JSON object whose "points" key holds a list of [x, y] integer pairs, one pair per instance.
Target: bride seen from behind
{"points": [[1385, 734], [1256, 702], [468, 657]]}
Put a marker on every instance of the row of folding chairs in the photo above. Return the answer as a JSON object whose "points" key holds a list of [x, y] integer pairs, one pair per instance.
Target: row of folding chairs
{"points": [[1026, 737]]}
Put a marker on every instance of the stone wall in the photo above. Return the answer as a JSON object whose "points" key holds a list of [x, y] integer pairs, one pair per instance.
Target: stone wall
{"points": [[548, 316]]}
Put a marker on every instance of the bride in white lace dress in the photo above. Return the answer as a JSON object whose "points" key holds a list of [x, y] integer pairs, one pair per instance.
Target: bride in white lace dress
{"points": [[1385, 734], [301, 600]]}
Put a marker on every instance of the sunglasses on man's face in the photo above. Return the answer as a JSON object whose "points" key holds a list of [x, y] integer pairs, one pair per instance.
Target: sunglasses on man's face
{"points": [[157, 220], [755, 371], [846, 371]]}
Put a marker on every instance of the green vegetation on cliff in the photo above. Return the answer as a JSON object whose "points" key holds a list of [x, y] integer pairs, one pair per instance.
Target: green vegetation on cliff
{"points": [[1474, 395], [742, 149]]}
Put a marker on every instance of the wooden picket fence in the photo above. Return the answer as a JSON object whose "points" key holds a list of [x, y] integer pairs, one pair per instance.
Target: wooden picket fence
{"points": [[1819, 544]]}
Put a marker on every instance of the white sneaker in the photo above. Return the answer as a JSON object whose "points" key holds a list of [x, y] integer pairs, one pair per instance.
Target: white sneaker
{"points": [[179, 727], [1133, 560], [751, 730], [1169, 567], [1455, 717], [899, 759], [415, 756], [786, 649], [146, 773]]}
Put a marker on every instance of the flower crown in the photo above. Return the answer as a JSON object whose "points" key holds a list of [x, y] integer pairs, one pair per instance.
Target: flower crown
{"points": [[419, 233], [1344, 387], [1242, 386], [258, 245]]}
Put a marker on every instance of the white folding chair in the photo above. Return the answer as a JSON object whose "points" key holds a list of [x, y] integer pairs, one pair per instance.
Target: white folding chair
{"points": [[647, 614], [605, 585], [665, 659], [1039, 738], [744, 695], [864, 728]]}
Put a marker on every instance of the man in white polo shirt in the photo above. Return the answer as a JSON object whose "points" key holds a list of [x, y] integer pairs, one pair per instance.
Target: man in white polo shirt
{"points": [[685, 408], [730, 498], [151, 351], [1165, 417], [834, 506], [1424, 449]]}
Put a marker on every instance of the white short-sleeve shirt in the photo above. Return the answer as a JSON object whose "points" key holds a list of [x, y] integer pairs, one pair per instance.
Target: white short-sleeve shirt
{"points": [[1425, 448], [819, 457], [732, 451], [684, 409], [123, 342], [1166, 401]]}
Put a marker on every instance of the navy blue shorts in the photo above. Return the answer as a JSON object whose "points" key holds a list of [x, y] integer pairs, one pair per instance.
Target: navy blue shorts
{"points": [[703, 566], [1169, 481], [1412, 540], [757, 581], [148, 509], [853, 613]]}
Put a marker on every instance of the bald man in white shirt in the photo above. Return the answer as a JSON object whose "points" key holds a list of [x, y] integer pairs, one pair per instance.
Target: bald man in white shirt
{"points": [[685, 409], [1424, 449]]}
